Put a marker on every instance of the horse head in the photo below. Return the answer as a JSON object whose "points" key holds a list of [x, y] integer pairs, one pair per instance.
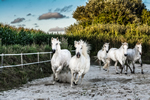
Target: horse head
{"points": [[125, 48], [139, 48], [106, 47], [78, 46], [55, 44]]}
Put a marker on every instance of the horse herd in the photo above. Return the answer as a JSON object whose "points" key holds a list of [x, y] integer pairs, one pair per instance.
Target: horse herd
{"points": [[79, 64]]}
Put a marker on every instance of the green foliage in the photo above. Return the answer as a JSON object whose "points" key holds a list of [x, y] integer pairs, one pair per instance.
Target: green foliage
{"points": [[112, 11]]}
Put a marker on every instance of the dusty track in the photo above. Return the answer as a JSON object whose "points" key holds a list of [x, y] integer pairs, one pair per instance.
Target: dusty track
{"points": [[97, 85]]}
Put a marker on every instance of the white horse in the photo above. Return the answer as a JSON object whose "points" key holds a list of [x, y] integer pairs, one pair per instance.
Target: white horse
{"points": [[101, 55], [133, 55], [117, 55], [80, 63], [60, 59]]}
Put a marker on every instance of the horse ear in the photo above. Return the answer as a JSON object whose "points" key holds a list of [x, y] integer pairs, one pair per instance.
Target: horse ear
{"points": [[52, 38], [57, 38]]}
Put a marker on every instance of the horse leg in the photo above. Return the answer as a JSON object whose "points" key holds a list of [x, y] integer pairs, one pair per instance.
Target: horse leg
{"points": [[82, 76], [72, 78], [133, 67], [107, 65], [129, 66], [122, 62], [123, 67], [100, 64], [75, 75], [78, 78], [126, 69], [53, 75], [116, 67], [57, 72], [140, 61]]}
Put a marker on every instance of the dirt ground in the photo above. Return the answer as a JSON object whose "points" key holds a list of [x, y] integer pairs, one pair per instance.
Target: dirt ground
{"points": [[97, 85]]}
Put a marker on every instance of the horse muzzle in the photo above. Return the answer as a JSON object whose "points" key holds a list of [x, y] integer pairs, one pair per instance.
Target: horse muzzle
{"points": [[140, 53], [106, 51], [78, 55], [53, 50], [125, 54]]}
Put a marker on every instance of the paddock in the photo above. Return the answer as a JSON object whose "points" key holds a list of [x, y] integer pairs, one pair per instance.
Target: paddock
{"points": [[97, 85]]}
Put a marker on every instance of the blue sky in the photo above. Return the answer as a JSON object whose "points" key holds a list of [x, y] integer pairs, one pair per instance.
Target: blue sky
{"points": [[41, 14]]}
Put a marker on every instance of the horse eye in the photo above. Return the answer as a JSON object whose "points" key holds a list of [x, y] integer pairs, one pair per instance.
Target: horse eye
{"points": [[81, 48], [56, 43]]}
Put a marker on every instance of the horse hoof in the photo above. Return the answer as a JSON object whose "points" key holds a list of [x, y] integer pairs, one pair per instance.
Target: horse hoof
{"points": [[105, 69], [117, 73], [57, 80], [125, 73], [132, 72], [74, 83], [142, 72]]}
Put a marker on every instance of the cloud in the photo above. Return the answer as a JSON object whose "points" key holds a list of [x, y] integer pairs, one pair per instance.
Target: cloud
{"points": [[22, 25], [35, 23], [56, 29], [51, 15], [36, 26], [18, 20], [64, 9], [57, 10], [29, 14]]}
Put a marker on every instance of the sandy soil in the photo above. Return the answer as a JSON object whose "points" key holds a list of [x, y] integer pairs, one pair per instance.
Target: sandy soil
{"points": [[97, 85]]}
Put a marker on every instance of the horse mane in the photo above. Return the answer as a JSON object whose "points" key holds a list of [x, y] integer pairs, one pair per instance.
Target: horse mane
{"points": [[138, 43], [85, 48], [103, 48], [125, 43]]}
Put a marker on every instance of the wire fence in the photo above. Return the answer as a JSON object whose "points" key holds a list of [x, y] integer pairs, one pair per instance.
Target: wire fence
{"points": [[21, 57]]}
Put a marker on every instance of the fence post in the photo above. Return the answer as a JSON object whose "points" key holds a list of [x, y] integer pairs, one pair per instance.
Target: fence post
{"points": [[1, 69], [38, 58], [22, 60]]}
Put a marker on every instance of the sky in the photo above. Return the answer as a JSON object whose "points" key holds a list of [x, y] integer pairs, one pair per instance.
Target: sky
{"points": [[46, 15]]}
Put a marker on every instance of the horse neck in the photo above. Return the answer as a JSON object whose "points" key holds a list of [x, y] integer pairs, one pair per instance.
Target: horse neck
{"points": [[136, 51], [58, 49], [121, 49], [104, 49]]}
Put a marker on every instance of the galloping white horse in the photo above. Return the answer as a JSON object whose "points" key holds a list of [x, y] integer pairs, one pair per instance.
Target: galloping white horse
{"points": [[60, 59], [101, 55], [117, 55], [80, 63], [133, 55]]}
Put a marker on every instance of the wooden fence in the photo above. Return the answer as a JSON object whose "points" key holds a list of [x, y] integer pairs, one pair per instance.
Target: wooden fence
{"points": [[21, 57]]}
